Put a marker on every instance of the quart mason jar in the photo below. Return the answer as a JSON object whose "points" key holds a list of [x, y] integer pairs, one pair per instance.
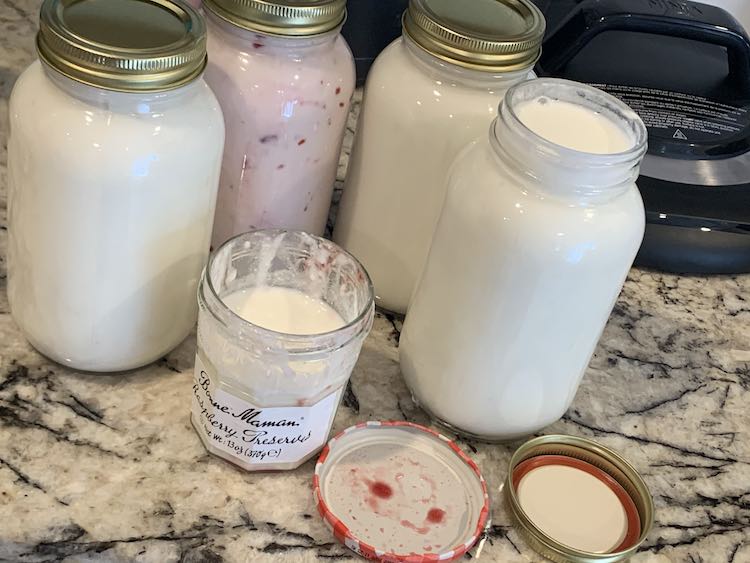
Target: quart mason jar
{"points": [[531, 250], [264, 399], [427, 95], [113, 161], [284, 77]]}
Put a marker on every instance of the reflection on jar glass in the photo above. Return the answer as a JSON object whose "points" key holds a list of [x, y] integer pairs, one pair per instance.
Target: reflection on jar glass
{"points": [[282, 318]]}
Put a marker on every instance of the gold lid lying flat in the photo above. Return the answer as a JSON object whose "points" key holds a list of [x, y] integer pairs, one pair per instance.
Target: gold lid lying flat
{"points": [[281, 17], [489, 35], [123, 45], [600, 457]]}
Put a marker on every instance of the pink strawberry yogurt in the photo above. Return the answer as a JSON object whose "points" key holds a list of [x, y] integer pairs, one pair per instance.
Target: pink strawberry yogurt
{"points": [[285, 101]]}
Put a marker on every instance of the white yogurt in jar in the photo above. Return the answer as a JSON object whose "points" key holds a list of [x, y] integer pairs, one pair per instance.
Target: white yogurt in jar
{"points": [[573, 126], [110, 218], [427, 95], [283, 315], [113, 168], [413, 123], [531, 250]]}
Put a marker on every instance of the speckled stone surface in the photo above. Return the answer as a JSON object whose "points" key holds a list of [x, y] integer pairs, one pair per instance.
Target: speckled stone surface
{"points": [[108, 468]]}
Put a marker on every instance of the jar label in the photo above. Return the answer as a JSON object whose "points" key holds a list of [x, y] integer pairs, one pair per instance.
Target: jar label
{"points": [[254, 434]]}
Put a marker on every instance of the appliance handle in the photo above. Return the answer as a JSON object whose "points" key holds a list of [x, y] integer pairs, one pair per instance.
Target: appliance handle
{"points": [[675, 18]]}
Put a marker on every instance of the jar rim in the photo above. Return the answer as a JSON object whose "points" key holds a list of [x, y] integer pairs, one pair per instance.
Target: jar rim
{"points": [[576, 92], [589, 175], [244, 325]]}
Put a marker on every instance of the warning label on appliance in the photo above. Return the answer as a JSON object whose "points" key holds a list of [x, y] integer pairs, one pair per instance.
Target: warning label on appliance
{"points": [[679, 116]]}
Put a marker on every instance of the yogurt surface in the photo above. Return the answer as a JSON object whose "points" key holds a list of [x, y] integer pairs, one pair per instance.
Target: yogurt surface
{"points": [[284, 310], [572, 126]]}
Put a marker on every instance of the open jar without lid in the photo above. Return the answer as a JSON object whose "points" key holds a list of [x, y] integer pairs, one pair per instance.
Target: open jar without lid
{"points": [[539, 228], [263, 397]]}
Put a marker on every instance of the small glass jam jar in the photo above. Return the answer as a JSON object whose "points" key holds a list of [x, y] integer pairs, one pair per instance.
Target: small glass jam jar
{"points": [[262, 399]]}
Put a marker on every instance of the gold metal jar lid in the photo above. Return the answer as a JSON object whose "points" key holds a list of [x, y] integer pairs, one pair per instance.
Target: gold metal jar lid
{"points": [[281, 17], [123, 45], [593, 459], [488, 35]]}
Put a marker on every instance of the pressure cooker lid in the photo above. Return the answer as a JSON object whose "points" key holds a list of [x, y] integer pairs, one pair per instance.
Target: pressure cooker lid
{"points": [[684, 67], [685, 71]]}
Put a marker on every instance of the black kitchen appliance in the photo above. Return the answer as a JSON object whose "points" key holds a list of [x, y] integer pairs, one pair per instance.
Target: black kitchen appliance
{"points": [[685, 68]]}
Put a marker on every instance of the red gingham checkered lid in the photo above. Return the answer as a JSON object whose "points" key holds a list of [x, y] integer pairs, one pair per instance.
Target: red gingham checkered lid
{"points": [[397, 491]]}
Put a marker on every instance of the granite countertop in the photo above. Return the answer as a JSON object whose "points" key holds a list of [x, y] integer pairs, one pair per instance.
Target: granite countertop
{"points": [[108, 468]]}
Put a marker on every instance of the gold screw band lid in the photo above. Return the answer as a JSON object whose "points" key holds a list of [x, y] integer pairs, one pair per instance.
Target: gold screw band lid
{"points": [[489, 35], [281, 17], [602, 458], [123, 45]]}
